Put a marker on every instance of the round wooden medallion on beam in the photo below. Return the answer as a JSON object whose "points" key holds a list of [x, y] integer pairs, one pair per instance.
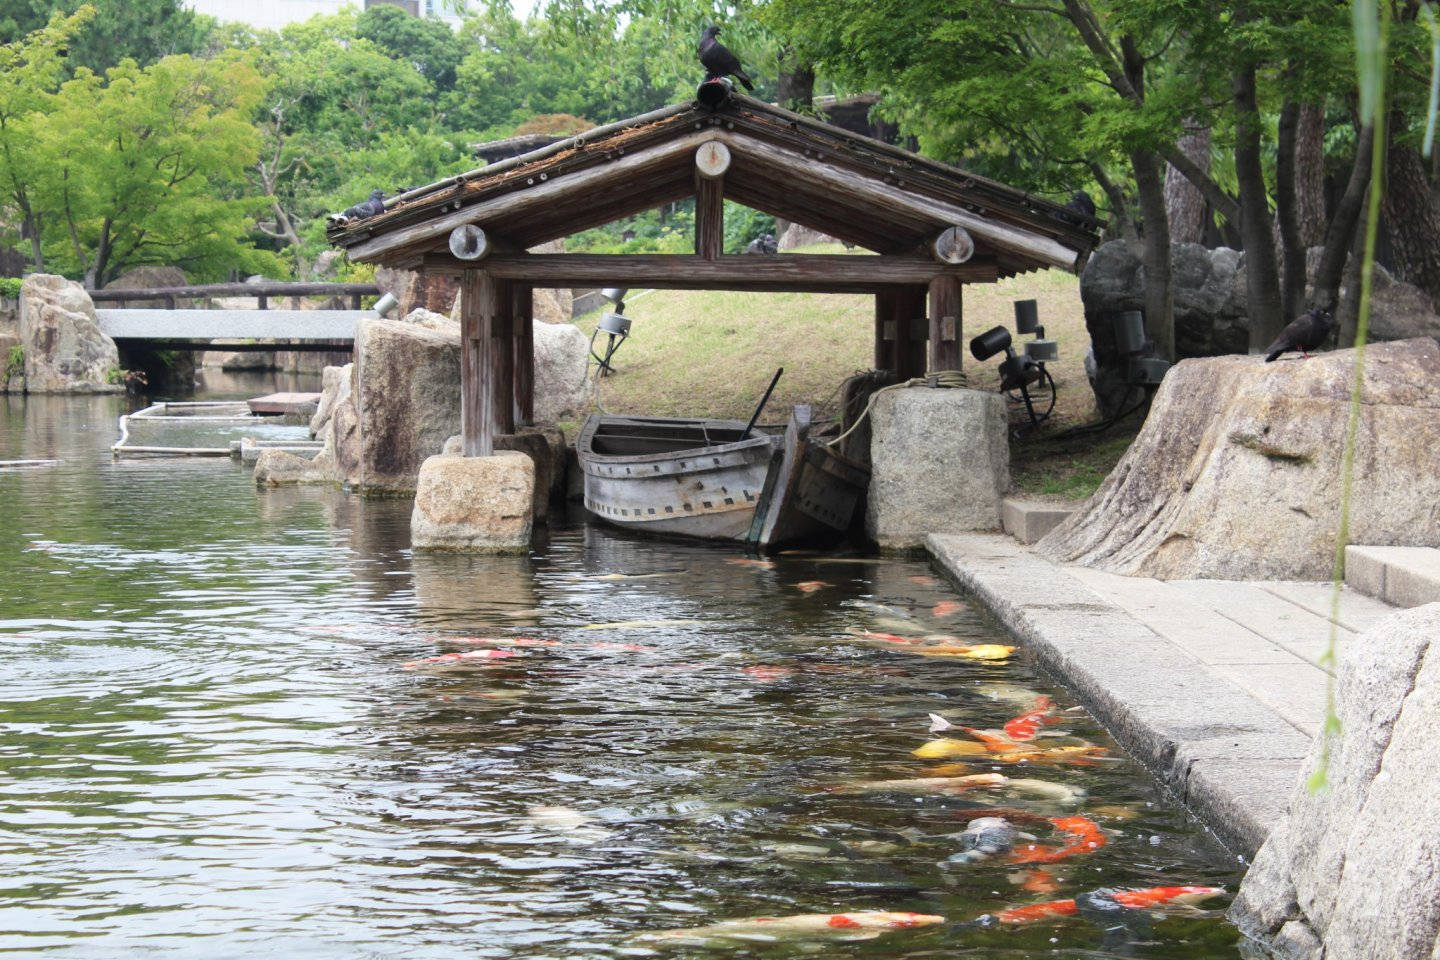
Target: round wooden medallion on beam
{"points": [[468, 242], [712, 159], [954, 245]]}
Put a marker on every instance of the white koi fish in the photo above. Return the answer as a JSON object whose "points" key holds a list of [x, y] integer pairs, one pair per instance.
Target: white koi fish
{"points": [[860, 925]]}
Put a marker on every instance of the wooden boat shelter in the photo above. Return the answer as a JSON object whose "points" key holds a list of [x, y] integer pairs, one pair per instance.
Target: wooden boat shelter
{"points": [[933, 227]]}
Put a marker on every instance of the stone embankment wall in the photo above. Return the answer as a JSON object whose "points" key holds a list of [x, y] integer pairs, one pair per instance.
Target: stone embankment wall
{"points": [[1354, 869], [1236, 472]]}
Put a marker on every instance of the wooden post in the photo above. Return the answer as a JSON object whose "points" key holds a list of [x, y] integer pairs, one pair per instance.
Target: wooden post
{"points": [[910, 331], [487, 363], [885, 330], [945, 323], [711, 162], [523, 314]]}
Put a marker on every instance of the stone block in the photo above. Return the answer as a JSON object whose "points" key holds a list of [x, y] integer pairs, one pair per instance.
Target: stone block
{"points": [[1029, 520], [1403, 576], [65, 349], [545, 446], [940, 463], [474, 504], [278, 468]]}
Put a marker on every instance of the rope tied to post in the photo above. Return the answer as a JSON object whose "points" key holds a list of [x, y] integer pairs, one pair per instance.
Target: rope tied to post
{"points": [[937, 379]]}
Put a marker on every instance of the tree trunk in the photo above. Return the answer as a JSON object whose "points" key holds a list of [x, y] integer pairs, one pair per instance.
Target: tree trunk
{"points": [[1185, 205], [1159, 293], [1121, 222], [1262, 280], [1347, 313], [1310, 174], [797, 82], [1342, 225], [1287, 208], [1411, 218]]}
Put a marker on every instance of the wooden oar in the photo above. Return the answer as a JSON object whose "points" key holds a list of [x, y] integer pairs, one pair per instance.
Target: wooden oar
{"points": [[763, 400]]}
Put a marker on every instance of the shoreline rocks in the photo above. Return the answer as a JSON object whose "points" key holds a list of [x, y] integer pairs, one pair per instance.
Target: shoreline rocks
{"points": [[65, 350], [1354, 869], [1236, 473]]}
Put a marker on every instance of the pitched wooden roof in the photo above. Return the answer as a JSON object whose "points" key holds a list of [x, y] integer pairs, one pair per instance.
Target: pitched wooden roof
{"points": [[857, 189]]}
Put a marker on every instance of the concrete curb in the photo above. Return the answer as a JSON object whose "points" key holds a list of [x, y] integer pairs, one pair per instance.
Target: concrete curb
{"points": [[1229, 758]]}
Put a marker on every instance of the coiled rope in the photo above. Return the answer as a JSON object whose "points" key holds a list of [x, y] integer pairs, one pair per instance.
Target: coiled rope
{"points": [[941, 379]]}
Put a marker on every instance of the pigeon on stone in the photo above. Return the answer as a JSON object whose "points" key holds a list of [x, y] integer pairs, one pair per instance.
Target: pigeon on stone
{"points": [[1304, 333], [366, 208], [718, 61]]}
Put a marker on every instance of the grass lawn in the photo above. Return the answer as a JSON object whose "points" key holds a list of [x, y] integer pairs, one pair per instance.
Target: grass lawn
{"points": [[711, 353]]}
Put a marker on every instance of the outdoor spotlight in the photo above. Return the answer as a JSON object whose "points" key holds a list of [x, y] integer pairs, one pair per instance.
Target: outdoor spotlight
{"points": [[385, 304], [1019, 371], [1027, 317], [989, 343], [1142, 367], [616, 327]]}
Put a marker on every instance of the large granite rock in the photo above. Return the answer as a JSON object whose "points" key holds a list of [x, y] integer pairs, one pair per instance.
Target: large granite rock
{"points": [[65, 350], [562, 390], [940, 463], [1354, 869], [545, 446], [407, 392], [474, 504], [148, 278], [1236, 472], [278, 468]]}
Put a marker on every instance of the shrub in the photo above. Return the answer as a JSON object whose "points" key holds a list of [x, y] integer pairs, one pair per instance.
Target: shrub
{"points": [[10, 287]]}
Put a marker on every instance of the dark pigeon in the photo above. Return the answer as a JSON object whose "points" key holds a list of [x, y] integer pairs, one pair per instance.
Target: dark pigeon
{"points": [[1080, 202], [1304, 333], [367, 208], [719, 61]]}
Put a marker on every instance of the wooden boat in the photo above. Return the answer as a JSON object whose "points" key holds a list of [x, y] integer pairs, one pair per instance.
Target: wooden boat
{"points": [[675, 477], [711, 480], [811, 492]]}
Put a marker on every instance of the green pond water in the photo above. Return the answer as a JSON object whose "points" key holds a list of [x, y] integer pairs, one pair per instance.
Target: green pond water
{"points": [[210, 748]]}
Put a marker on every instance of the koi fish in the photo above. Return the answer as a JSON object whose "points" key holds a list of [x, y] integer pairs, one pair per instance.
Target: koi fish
{"points": [[467, 658], [1025, 726], [498, 641], [1058, 792], [760, 672], [1039, 880], [994, 742], [947, 747], [623, 647], [810, 586], [639, 624], [1083, 754], [923, 581], [946, 608], [571, 825], [751, 562], [939, 724], [606, 577], [983, 838], [860, 925], [1083, 836], [1147, 899], [838, 849], [975, 651]]}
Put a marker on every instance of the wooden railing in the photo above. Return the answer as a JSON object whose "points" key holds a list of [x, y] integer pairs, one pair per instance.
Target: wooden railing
{"points": [[262, 292]]}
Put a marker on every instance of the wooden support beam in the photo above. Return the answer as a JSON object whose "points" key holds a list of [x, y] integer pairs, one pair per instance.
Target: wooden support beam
{"points": [[910, 331], [709, 216], [486, 363], [522, 297], [946, 328], [885, 330], [822, 273]]}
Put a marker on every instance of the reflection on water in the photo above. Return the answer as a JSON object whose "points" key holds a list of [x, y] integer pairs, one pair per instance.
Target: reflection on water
{"points": [[208, 746]]}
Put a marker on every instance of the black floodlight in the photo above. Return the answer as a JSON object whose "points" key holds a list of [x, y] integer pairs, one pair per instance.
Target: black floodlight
{"points": [[1019, 371], [1142, 367], [616, 327], [989, 343], [1027, 317]]}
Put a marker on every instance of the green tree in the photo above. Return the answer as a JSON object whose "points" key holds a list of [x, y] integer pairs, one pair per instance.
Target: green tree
{"points": [[139, 30], [428, 45], [147, 166], [30, 72]]}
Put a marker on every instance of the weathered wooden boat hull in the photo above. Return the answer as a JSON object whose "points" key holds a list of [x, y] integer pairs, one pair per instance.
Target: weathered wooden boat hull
{"points": [[674, 477], [811, 493]]}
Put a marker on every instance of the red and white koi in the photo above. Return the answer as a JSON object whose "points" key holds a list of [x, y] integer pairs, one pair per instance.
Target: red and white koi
{"points": [[1028, 724], [1148, 899], [946, 608], [812, 586], [465, 659], [1082, 834]]}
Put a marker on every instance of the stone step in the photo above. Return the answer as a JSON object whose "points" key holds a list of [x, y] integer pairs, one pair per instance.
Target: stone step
{"points": [[1029, 520], [1403, 576]]}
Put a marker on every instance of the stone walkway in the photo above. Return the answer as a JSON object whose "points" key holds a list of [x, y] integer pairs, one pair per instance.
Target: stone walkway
{"points": [[1215, 685]]}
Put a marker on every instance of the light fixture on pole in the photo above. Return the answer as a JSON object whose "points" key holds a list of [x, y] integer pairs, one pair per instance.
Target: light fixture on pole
{"points": [[616, 327]]}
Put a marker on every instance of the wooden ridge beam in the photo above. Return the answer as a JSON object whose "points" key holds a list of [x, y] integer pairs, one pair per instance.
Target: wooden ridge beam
{"points": [[819, 273]]}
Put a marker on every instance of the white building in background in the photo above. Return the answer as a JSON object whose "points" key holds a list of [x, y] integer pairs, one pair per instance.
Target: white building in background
{"points": [[273, 14]]}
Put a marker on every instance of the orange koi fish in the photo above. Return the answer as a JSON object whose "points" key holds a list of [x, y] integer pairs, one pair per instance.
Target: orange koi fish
{"points": [[1083, 836], [767, 673], [1025, 726], [458, 659], [498, 641], [923, 581], [810, 586], [624, 647], [1039, 880], [946, 608], [994, 742], [751, 562], [1149, 898]]}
